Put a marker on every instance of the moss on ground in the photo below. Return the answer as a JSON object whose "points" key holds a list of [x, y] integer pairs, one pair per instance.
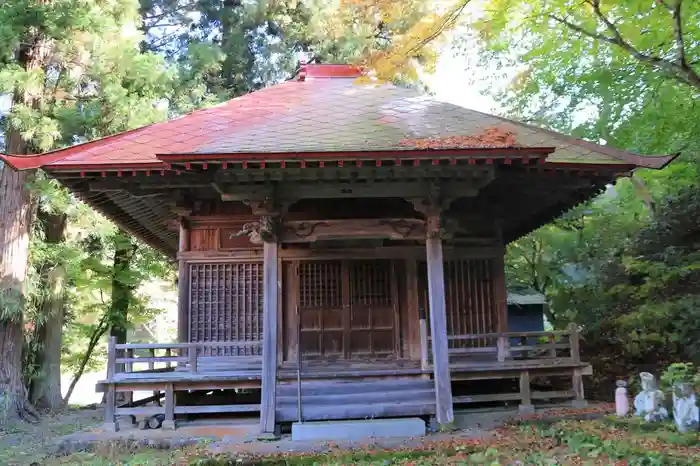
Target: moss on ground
{"points": [[602, 441]]}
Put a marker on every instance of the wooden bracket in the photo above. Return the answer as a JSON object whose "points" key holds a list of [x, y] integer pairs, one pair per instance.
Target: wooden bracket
{"points": [[433, 206]]}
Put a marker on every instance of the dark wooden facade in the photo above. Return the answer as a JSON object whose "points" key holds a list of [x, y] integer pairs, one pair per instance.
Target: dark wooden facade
{"points": [[364, 289]]}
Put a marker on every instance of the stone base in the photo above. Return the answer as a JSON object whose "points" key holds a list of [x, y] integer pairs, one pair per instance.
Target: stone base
{"points": [[356, 430], [168, 425], [110, 427], [526, 409], [268, 436], [579, 404]]}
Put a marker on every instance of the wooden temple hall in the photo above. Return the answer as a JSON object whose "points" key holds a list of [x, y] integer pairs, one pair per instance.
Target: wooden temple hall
{"points": [[341, 251]]}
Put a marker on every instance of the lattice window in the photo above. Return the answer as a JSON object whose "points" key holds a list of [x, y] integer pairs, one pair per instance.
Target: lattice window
{"points": [[370, 283], [321, 308], [320, 284], [226, 304], [469, 297]]}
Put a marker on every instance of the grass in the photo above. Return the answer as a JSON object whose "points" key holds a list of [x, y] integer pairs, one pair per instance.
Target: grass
{"points": [[624, 442], [22, 443]]}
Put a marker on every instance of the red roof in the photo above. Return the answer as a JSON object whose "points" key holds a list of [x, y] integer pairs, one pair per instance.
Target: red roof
{"points": [[324, 112]]}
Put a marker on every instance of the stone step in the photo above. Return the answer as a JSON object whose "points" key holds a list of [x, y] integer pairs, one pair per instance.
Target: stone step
{"points": [[338, 431]]}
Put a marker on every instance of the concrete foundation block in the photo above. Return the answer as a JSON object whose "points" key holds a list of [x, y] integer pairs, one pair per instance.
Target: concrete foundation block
{"points": [[579, 404], [168, 425], [268, 436], [110, 427], [526, 409], [356, 430]]}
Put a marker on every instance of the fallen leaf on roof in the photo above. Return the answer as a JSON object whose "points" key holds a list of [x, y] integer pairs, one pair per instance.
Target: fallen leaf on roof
{"points": [[493, 137]]}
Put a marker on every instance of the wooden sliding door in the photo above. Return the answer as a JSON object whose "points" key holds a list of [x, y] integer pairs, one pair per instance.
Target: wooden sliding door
{"points": [[347, 309]]}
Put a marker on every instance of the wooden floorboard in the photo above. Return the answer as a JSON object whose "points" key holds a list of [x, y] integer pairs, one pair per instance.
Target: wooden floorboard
{"points": [[249, 377]]}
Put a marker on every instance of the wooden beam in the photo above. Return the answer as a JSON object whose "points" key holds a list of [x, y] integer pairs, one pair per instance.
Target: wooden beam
{"points": [[438, 328], [319, 253], [269, 362], [315, 230], [463, 184]]}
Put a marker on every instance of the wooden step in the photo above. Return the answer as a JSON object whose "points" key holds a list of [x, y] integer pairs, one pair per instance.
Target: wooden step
{"points": [[355, 411], [310, 388], [368, 397]]}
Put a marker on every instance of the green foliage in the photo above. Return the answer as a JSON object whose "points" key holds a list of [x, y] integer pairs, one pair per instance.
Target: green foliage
{"points": [[680, 373], [626, 265], [96, 82]]}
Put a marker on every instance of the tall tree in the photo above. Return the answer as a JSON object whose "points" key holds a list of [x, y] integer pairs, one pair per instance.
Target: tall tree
{"points": [[74, 71], [624, 73], [29, 51], [45, 388]]}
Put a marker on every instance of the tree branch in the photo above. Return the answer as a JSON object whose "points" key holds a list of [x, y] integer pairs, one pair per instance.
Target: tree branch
{"points": [[100, 330], [447, 22], [675, 11], [679, 71]]}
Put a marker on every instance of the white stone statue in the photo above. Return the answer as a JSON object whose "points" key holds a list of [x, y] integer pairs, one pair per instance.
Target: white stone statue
{"points": [[649, 403], [622, 403], [685, 410]]}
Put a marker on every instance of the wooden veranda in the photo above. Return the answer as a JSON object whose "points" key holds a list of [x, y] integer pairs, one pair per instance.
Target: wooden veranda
{"points": [[132, 367]]}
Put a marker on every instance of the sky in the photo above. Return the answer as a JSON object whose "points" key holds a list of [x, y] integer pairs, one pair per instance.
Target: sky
{"points": [[460, 81]]}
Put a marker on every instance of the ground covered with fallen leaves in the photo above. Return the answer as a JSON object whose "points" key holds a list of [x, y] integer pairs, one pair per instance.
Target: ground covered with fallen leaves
{"points": [[533, 440]]}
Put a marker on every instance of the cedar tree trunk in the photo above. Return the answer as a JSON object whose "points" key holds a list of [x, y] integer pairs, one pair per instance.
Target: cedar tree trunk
{"points": [[45, 389], [15, 221], [16, 214]]}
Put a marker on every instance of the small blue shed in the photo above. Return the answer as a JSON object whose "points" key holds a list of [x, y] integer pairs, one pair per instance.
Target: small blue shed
{"points": [[526, 311]]}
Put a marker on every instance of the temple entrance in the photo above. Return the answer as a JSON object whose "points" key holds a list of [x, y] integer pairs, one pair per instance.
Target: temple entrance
{"points": [[348, 310]]}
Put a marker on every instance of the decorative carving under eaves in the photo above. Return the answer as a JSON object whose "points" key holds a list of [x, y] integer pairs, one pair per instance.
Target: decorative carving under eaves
{"points": [[263, 230], [304, 230], [402, 227]]}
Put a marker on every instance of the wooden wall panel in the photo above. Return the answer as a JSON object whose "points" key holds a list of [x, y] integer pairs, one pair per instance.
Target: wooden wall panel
{"points": [[228, 239], [204, 239], [226, 304]]}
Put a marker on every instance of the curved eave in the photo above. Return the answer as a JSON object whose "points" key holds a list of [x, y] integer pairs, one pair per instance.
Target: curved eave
{"points": [[656, 162], [30, 162]]}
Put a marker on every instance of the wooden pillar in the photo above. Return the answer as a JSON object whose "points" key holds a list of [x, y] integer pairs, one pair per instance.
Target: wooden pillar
{"points": [[269, 356], [438, 328], [500, 294], [183, 283], [169, 421], [412, 320], [424, 342], [574, 343], [579, 398], [526, 406]]}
